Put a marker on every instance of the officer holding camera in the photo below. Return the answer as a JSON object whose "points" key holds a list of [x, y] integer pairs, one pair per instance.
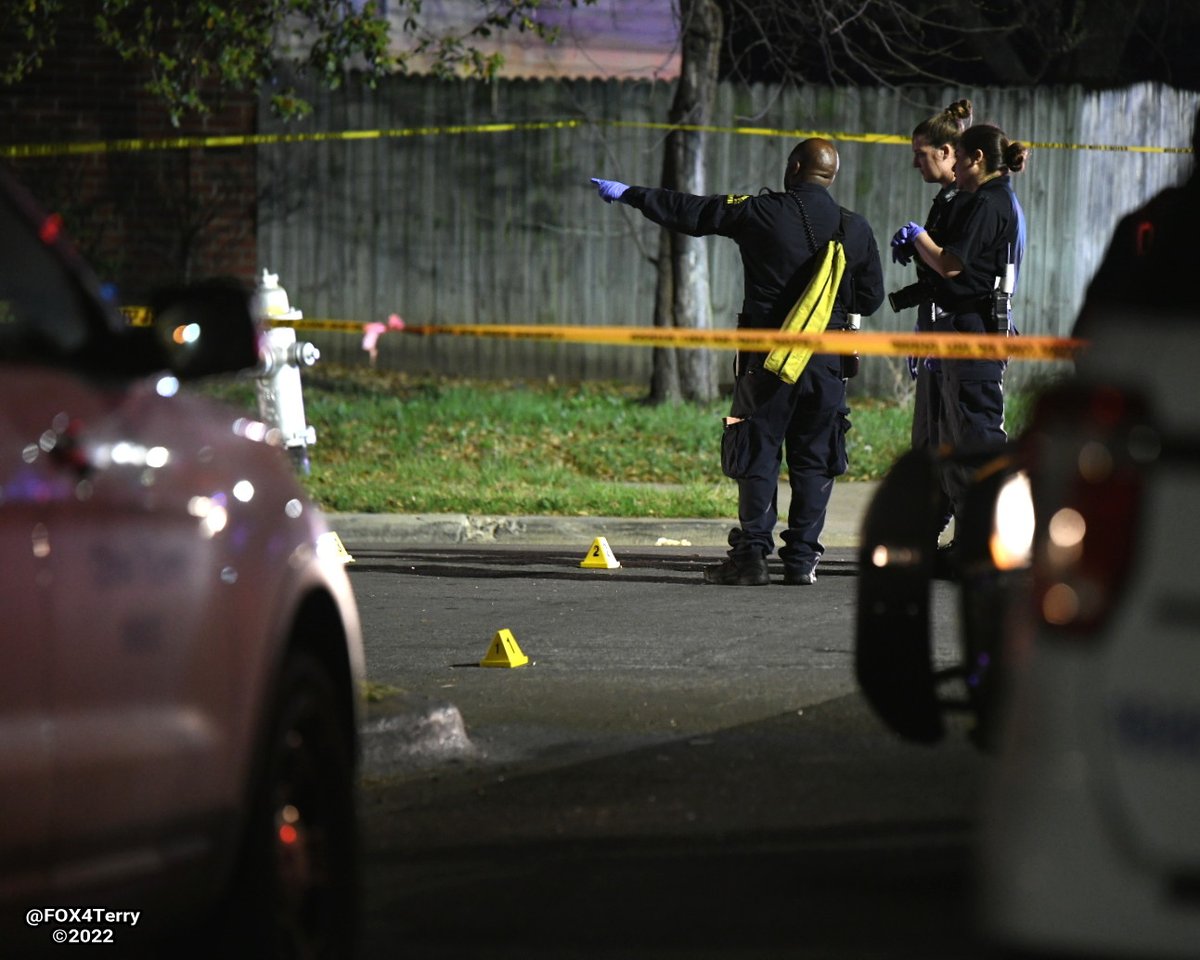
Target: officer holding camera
{"points": [[975, 260], [933, 142]]}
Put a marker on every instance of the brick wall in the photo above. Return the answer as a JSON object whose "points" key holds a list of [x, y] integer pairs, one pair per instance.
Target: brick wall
{"points": [[145, 217]]}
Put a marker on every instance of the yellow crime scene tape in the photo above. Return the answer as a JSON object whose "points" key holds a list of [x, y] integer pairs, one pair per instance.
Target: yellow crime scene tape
{"points": [[954, 346], [982, 346], [22, 150], [849, 342]]}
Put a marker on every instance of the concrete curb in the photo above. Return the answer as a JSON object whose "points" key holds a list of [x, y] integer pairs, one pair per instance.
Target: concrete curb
{"points": [[458, 528], [846, 509]]}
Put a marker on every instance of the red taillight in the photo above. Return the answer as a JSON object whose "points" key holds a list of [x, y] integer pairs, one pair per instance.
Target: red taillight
{"points": [[50, 229], [1096, 450]]}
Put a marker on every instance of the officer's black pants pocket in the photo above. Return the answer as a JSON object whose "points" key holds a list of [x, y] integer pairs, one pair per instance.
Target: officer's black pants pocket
{"points": [[739, 447], [840, 459]]}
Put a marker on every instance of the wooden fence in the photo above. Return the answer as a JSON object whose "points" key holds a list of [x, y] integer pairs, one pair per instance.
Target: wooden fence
{"points": [[474, 205]]}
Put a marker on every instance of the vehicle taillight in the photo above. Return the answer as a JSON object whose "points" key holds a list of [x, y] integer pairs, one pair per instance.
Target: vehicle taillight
{"points": [[1087, 534], [1010, 544]]}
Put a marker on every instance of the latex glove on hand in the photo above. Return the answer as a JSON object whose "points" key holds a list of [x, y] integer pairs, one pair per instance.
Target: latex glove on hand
{"points": [[902, 251], [902, 242], [610, 190]]}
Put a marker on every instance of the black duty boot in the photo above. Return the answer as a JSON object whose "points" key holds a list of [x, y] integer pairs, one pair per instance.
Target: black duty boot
{"points": [[797, 576], [742, 571], [801, 574]]}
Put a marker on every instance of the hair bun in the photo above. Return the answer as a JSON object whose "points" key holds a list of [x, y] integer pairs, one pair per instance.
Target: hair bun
{"points": [[960, 110], [1015, 155]]}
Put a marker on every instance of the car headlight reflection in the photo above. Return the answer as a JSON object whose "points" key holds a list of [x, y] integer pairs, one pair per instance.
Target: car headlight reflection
{"points": [[1011, 542], [211, 513], [1066, 531], [186, 334], [893, 556]]}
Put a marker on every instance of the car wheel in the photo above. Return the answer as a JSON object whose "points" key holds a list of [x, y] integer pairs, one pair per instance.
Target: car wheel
{"points": [[298, 891]]}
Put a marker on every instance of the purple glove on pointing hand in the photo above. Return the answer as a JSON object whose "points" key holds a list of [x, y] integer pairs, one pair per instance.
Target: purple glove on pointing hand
{"points": [[610, 190]]}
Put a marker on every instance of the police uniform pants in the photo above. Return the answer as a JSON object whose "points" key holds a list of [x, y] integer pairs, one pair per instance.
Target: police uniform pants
{"points": [[927, 400], [972, 419], [808, 421], [927, 405], [927, 416]]}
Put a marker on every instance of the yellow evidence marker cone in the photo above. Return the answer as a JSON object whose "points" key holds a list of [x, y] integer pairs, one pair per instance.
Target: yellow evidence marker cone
{"points": [[600, 556], [504, 652], [329, 544]]}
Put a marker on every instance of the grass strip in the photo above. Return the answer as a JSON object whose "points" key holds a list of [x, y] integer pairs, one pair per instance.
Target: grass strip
{"points": [[390, 442]]}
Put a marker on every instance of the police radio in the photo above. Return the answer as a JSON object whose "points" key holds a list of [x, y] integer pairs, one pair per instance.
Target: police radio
{"points": [[1002, 298]]}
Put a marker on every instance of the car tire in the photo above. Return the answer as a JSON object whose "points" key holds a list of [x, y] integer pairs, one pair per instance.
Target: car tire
{"points": [[297, 891]]}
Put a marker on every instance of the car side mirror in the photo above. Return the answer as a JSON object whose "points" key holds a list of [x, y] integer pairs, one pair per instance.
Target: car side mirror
{"points": [[206, 328]]}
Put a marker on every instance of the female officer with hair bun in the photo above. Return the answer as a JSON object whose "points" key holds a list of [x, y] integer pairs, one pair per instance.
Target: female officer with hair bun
{"points": [[933, 143], [982, 242]]}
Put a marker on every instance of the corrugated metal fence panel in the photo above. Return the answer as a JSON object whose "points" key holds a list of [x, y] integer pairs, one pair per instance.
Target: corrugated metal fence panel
{"points": [[504, 227]]}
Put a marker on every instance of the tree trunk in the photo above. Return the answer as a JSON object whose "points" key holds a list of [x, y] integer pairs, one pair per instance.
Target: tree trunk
{"points": [[664, 378], [682, 298]]}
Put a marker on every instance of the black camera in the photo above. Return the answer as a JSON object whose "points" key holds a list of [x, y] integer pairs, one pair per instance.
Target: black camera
{"points": [[910, 296]]}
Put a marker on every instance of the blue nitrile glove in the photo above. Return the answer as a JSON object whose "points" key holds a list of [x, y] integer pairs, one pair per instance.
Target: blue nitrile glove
{"points": [[610, 190], [902, 242], [902, 250]]}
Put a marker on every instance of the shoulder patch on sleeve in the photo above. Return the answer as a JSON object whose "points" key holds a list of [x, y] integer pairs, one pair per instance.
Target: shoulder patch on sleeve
{"points": [[732, 198]]}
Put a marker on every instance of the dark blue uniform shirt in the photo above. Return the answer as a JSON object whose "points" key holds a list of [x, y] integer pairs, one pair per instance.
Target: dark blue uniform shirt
{"points": [[939, 215], [777, 254], [984, 229]]}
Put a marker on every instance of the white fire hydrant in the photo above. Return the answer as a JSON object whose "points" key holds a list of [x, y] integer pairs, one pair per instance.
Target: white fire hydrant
{"points": [[280, 401]]}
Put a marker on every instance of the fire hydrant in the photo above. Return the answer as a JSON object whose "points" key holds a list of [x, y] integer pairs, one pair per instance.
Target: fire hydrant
{"points": [[280, 401]]}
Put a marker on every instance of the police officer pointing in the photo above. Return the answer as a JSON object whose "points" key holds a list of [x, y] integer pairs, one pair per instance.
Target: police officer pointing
{"points": [[780, 236]]}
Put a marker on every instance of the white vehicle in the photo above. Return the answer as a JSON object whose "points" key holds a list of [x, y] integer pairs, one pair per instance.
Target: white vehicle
{"points": [[1080, 660], [180, 666], [1091, 830]]}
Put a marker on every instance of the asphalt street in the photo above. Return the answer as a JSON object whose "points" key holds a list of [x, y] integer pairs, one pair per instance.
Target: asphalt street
{"points": [[680, 770], [451, 582]]}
